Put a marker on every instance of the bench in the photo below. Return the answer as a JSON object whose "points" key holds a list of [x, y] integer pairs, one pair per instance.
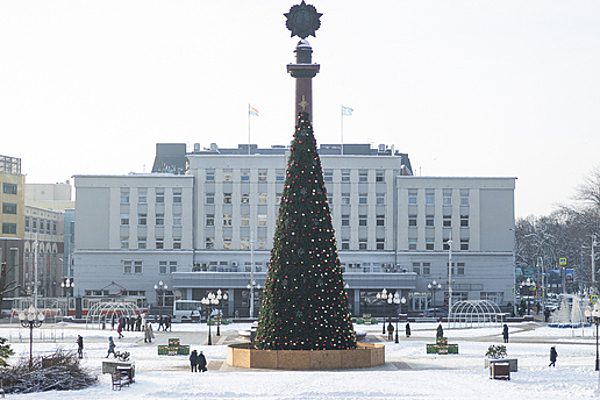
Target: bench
{"points": [[500, 370], [118, 381]]}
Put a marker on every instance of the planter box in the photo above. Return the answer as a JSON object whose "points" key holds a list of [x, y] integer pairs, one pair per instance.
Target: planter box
{"points": [[500, 370], [512, 362]]}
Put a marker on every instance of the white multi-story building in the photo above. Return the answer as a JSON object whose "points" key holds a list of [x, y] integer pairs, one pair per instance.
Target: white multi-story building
{"points": [[392, 228]]}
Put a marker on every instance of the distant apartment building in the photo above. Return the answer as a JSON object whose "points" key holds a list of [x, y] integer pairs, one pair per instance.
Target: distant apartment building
{"points": [[392, 228]]}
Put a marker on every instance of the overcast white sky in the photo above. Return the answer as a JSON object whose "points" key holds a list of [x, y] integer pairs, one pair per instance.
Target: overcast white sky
{"points": [[466, 88]]}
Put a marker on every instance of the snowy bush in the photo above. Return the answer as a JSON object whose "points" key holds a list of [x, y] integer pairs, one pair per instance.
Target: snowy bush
{"points": [[5, 352], [496, 351], [58, 371]]}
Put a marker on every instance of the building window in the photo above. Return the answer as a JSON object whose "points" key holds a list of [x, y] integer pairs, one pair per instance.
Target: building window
{"points": [[429, 244], [328, 175], [142, 196], [141, 242], [345, 244], [27, 221], [210, 198], [380, 199], [176, 219], [210, 175], [457, 268], [278, 197], [447, 197], [379, 243], [227, 198], [346, 199], [226, 219], [142, 218], [160, 219], [330, 199], [177, 243], [210, 219], [160, 243], [362, 220], [262, 175], [172, 266], [261, 244], [245, 199], [262, 198], [412, 220], [160, 196], [362, 198], [262, 219], [416, 267], [176, 196], [446, 245], [162, 267], [429, 219], [9, 188], [362, 244], [127, 267], [245, 220], [464, 244], [345, 220], [227, 243], [426, 268], [412, 243], [447, 221], [137, 267], [412, 197], [9, 208], [363, 175], [124, 196], [244, 243], [464, 197], [380, 175], [209, 243], [279, 175], [9, 228], [345, 175], [245, 175], [124, 219], [429, 197], [227, 175], [380, 220], [464, 221]]}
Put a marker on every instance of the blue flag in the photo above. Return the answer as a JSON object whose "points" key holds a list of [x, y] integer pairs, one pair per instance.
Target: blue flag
{"points": [[347, 111]]}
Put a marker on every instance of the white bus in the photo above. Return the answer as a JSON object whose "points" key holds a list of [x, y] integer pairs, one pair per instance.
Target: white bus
{"points": [[187, 310]]}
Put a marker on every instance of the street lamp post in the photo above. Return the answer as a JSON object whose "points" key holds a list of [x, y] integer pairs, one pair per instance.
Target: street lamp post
{"points": [[252, 285], [211, 301], [383, 295], [594, 314], [398, 301], [161, 288], [529, 284], [32, 318], [67, 286], [434, 287]]}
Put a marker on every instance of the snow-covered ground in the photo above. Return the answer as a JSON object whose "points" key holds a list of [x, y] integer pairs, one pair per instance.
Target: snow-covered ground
{"points": [[409, 373]]}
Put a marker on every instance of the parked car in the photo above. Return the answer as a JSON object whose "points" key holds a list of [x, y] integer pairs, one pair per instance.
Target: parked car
{"points": [[436, 312]]}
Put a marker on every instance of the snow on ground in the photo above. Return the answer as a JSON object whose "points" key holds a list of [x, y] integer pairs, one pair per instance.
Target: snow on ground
{"points": [[409, 373]]}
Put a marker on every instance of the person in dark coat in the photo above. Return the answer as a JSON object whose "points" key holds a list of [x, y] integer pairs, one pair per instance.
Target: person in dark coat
{"points": [[120, 329], [138, 323], [79, 346], [546, 315], [407, 329], [161, 323], [111, 347], [194, 361], [168, 323], [112, 322], [440, 332], [202, 363], [390, 331], [505, 333], [553, 355]]}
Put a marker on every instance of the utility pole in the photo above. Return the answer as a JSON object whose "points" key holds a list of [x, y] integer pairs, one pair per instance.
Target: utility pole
{"points": [[594, 243], [449, 277]]}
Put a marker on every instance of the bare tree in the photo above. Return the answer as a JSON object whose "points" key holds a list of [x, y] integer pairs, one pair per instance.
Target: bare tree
{"points": [[589, 190], [6, 285]]}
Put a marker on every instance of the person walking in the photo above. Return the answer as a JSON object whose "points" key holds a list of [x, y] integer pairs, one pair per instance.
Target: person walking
{"points": [[194, 361], [148, 332], [79, 346], [120, 329], [440, 332], [553, 356], [112, 322], [202, 363], [138, 323], [390, 331], [168, 323], [161, 323], [407, 329], [111, 347], [505, 333]]}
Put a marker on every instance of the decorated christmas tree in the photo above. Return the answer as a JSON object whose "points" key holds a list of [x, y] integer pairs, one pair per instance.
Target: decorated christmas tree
{"points": [[304, 304]]}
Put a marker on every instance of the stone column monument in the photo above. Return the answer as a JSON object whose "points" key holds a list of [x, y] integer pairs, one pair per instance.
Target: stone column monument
{"points": [[302, 21]]}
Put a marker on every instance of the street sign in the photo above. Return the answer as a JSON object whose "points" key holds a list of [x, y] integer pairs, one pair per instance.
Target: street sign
{"points": [[593, 298], [562, 261]]}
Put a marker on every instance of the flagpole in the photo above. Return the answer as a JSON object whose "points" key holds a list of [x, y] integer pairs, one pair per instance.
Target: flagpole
{"points": [[342, 130], [248, 128]]}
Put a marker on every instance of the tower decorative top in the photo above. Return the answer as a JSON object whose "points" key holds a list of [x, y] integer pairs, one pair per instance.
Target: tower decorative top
{"points": [[303, 20]]}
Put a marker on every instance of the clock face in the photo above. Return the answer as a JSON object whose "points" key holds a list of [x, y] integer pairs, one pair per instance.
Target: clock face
{"points": [[303, 20]]}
